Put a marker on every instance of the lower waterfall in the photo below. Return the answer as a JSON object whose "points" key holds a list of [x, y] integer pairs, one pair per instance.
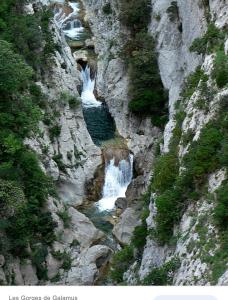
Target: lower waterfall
{"points": [[117, 179], [88, 98]]}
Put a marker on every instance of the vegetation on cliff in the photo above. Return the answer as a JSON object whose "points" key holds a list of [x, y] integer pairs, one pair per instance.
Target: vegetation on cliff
{"points": [[24, 188], [146, 91]]}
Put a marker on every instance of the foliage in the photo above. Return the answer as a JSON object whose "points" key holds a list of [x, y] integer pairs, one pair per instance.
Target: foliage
{"points": [[64, 257], [24, 188], [165, 171], [175, 191], [38, 259], [54, 131], [173, 11], [192, 82], [107, 9], [64, 215], [73, 102], [138, 239], [162, 275], [220, 71], [120, 263], [212, 40], [146, 91], [135, 14], [28, 33], [221, 210]]}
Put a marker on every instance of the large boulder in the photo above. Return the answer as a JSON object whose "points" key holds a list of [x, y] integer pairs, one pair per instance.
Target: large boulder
{"points": [[83, 229], [124, 229], [85, 269]]}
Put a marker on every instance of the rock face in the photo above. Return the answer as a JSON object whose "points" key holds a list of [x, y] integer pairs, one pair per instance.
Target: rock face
{"points": [[196, 231]]}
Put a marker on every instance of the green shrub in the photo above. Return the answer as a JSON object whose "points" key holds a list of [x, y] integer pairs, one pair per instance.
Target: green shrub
{"points": [[165, 171], [107, 9], [221, 209], [173, 11], [73, 102], [162, 275], [64, 215], [39, 255], [120, 263], [202, 158], [138, 240], [54, 131], [220, 71], [192, 82], [135, 14], [146, 91], [212, 40]]}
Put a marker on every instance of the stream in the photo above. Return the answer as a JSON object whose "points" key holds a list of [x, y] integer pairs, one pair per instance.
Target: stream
{"points": [[101, 126]]}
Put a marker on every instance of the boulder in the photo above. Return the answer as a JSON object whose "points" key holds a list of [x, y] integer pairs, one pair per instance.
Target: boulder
{"points": [[121, 203], [86, 268], [84, 230], [28, 272], [123, 230]]}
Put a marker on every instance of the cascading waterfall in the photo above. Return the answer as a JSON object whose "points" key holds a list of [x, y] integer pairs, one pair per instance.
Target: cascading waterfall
{"points": [[117, 179], [71, 27], [87, 96]]}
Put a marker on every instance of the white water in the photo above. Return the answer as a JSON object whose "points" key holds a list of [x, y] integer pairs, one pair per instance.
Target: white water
{"points": [[117, 179], [71, 27], [88, 98]]}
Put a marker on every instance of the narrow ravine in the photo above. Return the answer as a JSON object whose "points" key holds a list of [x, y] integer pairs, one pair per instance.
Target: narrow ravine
{"points": [[117, 159]]}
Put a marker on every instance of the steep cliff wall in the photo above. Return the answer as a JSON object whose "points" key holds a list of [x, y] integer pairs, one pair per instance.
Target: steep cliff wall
{"points": [[193, 257]]}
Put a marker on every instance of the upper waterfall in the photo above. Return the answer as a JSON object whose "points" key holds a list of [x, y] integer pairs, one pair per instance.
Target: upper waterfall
{"points": [[71, 26], [88, 98], [117, 179]]}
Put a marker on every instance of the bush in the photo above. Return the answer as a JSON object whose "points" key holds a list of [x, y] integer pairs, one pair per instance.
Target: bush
{"points": [[54, 131], [107, 9], [162, 275], [173, 11], [73, 102], [146, 91], [212, 40], [135, 14], [220, 71], [221, 209], [65, 218], [165, 171], [120, 263], [202, 158]]}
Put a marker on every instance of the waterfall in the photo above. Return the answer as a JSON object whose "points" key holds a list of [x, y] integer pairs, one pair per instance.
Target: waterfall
{"points": [[71, 27], [117, 179], [88, 98]]}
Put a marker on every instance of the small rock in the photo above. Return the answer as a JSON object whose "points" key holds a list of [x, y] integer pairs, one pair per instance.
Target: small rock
{"points": [[121, 203]]}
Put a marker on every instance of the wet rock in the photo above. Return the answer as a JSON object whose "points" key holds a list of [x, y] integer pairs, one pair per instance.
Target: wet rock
{"points": [[121, 203]]}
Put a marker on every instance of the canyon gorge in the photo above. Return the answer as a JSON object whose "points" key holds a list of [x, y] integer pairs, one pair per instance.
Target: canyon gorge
{"points": [[140, 185]]}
